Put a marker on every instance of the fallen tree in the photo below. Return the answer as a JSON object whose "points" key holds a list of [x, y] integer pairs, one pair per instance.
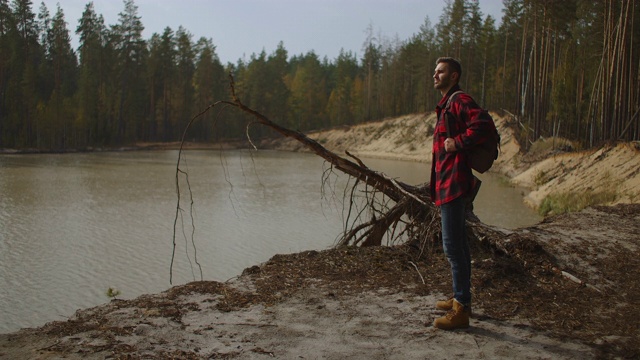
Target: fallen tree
{"points": [[398, 210]]}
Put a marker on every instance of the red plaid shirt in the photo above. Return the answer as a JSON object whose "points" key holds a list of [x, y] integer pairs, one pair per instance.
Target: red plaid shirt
{"points": [[451, 175]]}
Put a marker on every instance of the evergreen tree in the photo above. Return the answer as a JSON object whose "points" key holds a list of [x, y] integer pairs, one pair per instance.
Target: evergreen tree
{"points": [[62, 64], [6, 27], [471, 80], [277, 95], [308, 94], [161, 68], [131, 55], [94, 69], [27, 56], [185, 70], [209, 86], [253, 84], [488, 63], [339, 105], [511, 39], [563, 68], [370, 66]]}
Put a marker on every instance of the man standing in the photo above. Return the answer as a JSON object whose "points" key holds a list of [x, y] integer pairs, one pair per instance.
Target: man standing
{"points": [[453, 184]]}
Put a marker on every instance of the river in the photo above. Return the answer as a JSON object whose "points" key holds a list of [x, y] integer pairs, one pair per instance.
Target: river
{"points": [[73, 225]]}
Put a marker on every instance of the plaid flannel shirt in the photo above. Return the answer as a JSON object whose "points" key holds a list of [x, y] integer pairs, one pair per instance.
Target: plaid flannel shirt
{"points": [[451, 175]]}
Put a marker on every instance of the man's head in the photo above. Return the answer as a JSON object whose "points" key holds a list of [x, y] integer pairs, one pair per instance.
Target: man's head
{"points": [[447, 74]]}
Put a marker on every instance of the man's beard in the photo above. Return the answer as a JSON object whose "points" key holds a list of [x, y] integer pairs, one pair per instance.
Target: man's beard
{"points": [[443, 84]]}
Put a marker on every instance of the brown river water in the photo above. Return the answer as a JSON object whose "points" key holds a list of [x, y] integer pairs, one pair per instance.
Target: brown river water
{"points": [[73, 225]]}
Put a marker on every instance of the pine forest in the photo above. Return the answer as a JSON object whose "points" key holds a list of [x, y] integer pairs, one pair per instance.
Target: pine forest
{"points": [[566, 68]]}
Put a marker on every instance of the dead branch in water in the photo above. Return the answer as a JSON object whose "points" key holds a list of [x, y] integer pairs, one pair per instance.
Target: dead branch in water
{"points": [[404, 212]]}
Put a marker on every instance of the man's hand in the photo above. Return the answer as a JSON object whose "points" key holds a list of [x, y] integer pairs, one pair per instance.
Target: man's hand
{"points": [[450, 145]]}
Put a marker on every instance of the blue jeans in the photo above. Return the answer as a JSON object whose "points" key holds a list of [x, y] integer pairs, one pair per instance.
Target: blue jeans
{"points": [[456, 248]]}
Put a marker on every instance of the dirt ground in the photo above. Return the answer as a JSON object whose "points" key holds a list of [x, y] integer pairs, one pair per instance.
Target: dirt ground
{"points": [[565, 288], [552, 291]]}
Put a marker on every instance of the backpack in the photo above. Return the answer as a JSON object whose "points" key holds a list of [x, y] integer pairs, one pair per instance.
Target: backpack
{"points": [[482, 156]]}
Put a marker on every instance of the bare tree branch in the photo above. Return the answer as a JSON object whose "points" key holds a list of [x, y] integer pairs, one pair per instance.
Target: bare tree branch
{"points": [[413, 203]]}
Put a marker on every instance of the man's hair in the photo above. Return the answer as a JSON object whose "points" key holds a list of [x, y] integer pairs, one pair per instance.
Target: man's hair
{"points": [[454, 64]]}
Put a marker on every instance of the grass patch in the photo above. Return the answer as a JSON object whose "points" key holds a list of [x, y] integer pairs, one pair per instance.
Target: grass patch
{"points": [[541, 178], [543, 146], [504, 181], [383, 130], [555, 204]]}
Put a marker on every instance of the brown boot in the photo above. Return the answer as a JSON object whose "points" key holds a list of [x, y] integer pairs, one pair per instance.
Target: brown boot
{"points": [[456, 318], [447, 305]]}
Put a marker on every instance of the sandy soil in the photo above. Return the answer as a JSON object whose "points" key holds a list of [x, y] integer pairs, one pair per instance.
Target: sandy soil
{"points": [[563, 289], [610, 168]]}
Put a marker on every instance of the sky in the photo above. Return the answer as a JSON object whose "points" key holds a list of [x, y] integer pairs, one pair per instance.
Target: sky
{"points": [[240, 28]]}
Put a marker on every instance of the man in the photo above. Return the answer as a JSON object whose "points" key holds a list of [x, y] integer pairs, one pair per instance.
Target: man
{"points": [[453, 184]]}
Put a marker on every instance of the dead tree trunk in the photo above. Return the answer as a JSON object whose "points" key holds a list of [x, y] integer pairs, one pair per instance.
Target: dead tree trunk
{"points": [[412, 207], [412, 201]]}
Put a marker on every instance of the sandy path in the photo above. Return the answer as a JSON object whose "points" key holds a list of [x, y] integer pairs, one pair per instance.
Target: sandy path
{"points": [[314, 324]]}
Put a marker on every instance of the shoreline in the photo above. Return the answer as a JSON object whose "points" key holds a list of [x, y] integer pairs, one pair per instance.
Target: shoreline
{"points": [[611, 170], [544, 291], [136, 147]]}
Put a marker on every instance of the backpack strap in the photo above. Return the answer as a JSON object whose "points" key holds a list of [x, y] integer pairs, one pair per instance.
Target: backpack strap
{"points": [[450, 99], [446, 112]]}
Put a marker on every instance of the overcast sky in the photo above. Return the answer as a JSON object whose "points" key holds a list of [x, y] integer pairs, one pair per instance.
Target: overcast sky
{"points": [[240, 28]]}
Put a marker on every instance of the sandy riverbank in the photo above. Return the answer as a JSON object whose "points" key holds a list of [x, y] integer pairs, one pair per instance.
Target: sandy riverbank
{"points": [[563, 289], [607, 169]]}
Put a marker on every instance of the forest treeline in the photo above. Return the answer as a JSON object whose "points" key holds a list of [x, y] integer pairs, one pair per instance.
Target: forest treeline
{"points": [[568, 68]]}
